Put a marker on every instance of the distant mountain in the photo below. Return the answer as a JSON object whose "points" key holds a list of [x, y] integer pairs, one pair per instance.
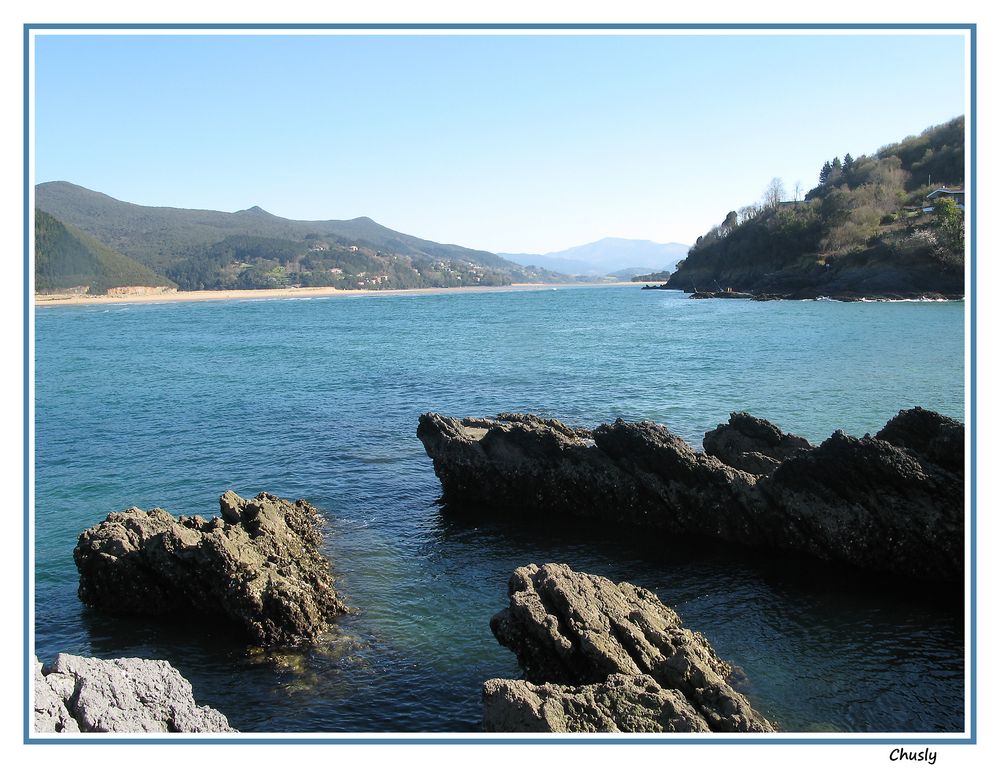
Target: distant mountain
{"points": [[251, 248], [66, 258], [615, 256], [155, 236]]}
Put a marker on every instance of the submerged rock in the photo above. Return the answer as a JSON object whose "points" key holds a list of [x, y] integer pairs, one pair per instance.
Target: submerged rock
{"points": [[893, 503], [257, 568], [601, 656], [77, 694]]}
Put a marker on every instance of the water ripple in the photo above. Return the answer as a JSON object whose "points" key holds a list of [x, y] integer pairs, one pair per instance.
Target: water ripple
{"points": [[168, 405]]}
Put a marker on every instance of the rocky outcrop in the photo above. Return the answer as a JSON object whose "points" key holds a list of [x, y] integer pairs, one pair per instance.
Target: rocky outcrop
{"points": [[620, 704], [601, 656], [76, 694], [751, 444], [257, 568], [51, 715], [893, 503], [937, 438], [869, 502]]}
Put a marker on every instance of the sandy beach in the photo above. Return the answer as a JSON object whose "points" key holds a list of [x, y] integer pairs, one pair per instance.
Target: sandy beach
{"points": [[65, 299]]}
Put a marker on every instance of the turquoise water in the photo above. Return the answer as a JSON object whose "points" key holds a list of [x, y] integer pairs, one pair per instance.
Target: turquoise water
{"points": [[168, 405]]}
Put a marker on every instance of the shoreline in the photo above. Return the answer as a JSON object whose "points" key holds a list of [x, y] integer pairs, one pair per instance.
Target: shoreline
{"points": [[850, 297], [263, 294]]}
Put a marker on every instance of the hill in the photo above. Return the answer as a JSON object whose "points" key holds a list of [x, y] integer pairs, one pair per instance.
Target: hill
{"points": [[252, 248], [67, 258], [866, 230], [614, 256]]}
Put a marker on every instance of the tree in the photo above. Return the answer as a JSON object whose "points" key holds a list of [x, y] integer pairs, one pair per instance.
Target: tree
{"points": [[748, 213], [950, 223], [774, 192], [798, 191], [824, 173]]}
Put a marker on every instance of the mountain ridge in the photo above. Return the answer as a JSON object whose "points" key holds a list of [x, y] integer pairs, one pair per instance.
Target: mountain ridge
{"points": [[201, 249], [89, 210], [608, 256]]}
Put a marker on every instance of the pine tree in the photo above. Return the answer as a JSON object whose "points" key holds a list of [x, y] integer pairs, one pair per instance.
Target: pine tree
{"points": [[825, 171]]}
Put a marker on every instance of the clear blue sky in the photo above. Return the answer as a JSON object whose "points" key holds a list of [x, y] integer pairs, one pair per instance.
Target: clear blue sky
{"points": [[510, 144]]}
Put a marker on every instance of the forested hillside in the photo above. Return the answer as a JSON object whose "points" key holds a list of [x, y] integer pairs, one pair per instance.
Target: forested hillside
{"points": [[68, 258], [199, 249], [861, 231]]}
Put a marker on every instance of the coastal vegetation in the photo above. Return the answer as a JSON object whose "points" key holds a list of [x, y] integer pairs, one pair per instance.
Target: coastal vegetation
{"points": [[867, 228], [211, 250]]}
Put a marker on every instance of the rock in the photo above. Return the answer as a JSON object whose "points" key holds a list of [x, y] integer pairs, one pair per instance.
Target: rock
{"points": [[257, 568], [753, 445], [869, 502], [624, 472], [730, 294], [118, 696], [51, 715], [620, 704], [577, 630], [928, 434]]}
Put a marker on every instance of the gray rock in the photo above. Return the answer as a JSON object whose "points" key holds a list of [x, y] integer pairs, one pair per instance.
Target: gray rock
{"points": [[51, 693], [751, 444], [868, 502], [621, 704], [577, 629], [119, 696], [630, 473], [892, 503], [928, 434], [257, 568]]}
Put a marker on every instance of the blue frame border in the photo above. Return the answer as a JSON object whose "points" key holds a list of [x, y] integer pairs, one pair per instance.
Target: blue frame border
{"points": [[552, 740]]}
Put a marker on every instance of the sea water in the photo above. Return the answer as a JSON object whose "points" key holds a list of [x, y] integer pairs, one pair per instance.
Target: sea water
{"points": [[171, 404]]}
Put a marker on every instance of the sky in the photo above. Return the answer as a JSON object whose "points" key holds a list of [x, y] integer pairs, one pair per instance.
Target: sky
{"points": [[508, 143]]}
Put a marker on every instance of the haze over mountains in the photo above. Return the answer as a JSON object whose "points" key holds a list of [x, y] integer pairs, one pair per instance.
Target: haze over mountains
{"points": [[616, 256]]}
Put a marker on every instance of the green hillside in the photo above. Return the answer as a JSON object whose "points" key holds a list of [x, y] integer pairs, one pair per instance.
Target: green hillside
{"points": [[861, 231], [199, 249], [65, 258]]}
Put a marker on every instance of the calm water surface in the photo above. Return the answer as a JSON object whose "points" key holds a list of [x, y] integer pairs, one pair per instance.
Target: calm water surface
{"points": [[168, 405]]}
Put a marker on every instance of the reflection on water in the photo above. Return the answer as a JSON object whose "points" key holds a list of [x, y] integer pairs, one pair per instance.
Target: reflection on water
{"points": [[170, 405]]}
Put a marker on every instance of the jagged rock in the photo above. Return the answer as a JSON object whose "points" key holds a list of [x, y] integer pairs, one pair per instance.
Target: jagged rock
{"points": [[866, 501], [577, 629], [928, 434], [624, 472], [258, 567], [620, 704], [118, 696], [51, 715], [754, 445], [871, 502]]}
